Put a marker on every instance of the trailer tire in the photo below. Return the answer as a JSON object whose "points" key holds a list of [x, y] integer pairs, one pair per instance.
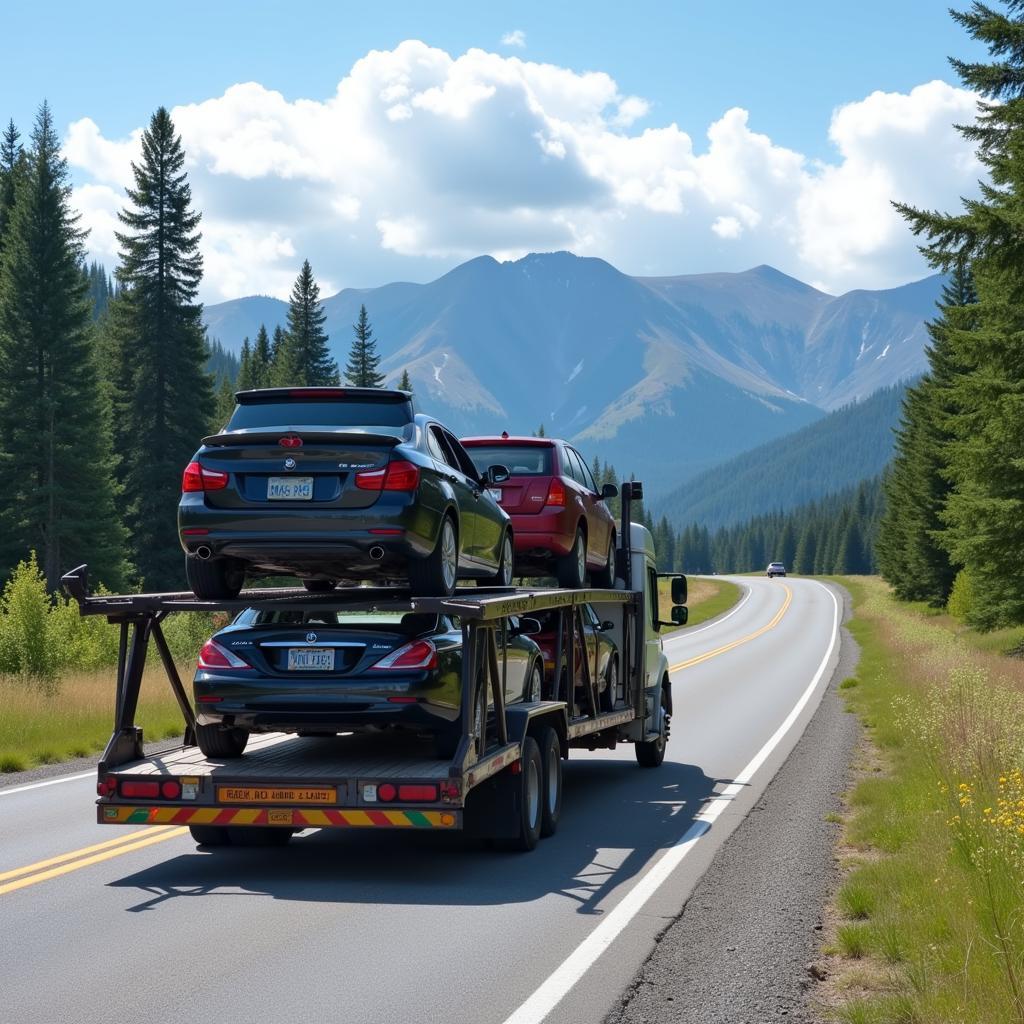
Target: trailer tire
{"points": [[551, 782], [530, 802], [215, 579], [571, 569], [216, 741], [210, 835], [437, 575], [652, 753]]}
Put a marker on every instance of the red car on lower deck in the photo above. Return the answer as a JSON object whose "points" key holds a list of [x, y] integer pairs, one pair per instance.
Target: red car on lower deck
{"points": [[560, 518]]}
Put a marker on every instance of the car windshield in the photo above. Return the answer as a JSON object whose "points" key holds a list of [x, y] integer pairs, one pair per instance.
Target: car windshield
{"points": [[355, 413], [521, 460]]}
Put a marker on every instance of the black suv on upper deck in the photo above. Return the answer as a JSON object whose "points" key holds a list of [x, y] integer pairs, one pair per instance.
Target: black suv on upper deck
{"points": [[333, 484]]}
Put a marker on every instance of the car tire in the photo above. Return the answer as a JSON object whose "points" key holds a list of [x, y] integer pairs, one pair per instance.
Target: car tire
{"points": [[551, 780], [218, 742], [503, 577], [536, 686], [530, 803], [319, 586], [214, 579], [607, 696], [437, 574], [571, 569], [605, 576], [651, 753]]}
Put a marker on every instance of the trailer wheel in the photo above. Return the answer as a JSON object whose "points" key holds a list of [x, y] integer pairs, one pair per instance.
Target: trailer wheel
{"points": [[551, 783], [530, 803], [216, 741], [210, 835], [652, 753]]}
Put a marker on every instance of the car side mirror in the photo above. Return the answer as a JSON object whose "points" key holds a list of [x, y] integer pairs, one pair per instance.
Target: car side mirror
{"points": [[528, 627], [680, 616], [609, 491], [606, 625], [496, 474]]}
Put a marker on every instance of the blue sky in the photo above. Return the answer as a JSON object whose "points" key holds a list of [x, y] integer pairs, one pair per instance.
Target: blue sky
{"points": [[789, 65]]}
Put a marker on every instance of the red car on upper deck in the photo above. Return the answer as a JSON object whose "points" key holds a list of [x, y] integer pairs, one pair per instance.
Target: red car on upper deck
{"points": [[561, 522]]}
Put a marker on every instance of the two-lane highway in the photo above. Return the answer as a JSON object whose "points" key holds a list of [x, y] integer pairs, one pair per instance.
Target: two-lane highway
{"points": [[101, 925]]}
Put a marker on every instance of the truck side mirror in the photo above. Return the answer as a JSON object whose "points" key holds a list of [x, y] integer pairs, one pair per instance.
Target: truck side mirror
{"points": [[679, 590], [609, 491], [680, 616]]}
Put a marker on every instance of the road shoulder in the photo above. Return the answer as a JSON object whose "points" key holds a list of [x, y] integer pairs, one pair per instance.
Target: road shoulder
{"points": [[739, 950]]}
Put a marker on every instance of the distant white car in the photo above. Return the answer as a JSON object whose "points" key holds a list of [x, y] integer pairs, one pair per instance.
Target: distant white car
{"points": [[776, 569]]}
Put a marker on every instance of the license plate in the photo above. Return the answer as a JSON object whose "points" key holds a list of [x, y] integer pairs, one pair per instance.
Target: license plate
{"points": [[277, 795], [290, 488], [495, 493], [310, 659]]}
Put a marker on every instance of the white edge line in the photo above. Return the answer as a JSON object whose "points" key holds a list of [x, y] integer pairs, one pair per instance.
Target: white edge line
{"points": [[558, 984], [48, 782]]}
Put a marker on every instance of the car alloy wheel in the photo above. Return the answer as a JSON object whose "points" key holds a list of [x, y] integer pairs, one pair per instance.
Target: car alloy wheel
{"points": [[581, 558], [449, 554], [506, 562]]}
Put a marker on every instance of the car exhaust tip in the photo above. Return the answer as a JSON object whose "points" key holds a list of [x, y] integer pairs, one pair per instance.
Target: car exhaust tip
{"points": [[204, 551], [376, 552]]}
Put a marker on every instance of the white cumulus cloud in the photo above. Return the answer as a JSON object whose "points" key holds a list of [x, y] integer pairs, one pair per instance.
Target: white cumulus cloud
{"points": [[517, 37], [421, 159]]}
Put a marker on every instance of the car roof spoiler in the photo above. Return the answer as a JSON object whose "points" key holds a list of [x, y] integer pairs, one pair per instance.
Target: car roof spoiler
{"points": [[344, 436]]}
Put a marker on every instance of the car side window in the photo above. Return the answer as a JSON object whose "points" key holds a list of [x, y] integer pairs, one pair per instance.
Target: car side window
{"points": [[576, 468], [463, 462], [588, 477], [435, 447]]}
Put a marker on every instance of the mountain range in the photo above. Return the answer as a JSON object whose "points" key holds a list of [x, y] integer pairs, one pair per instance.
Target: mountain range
{"points": [[662, 377]]}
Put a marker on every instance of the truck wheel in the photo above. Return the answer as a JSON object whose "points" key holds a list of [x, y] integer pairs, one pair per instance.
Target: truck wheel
{"points": [[214, 579], [572, 568], [605, 576], [209, 835], [216, 741], [652, 753], [530, 805], [551, 782], [437, 574]]}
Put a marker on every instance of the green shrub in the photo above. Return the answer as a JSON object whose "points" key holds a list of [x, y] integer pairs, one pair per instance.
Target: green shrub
{"points": [[961, 597], [25, 648]]}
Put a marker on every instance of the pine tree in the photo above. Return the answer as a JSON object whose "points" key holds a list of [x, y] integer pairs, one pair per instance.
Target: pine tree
{"points": [[984, 512], [803, 560], [261, 359], [304, 357], [540, 431], [361, 371], [245, 367], [166, 398], [225, 404], [12, 170], [284, 366], [404, 383], [59, 497]]}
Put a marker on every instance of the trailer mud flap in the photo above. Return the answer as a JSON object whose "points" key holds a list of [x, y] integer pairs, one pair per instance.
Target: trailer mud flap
{"points": [[494, 808]]}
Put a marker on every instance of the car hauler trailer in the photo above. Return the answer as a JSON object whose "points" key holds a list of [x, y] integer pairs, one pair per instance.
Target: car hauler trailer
{"points": [[505, 779]]}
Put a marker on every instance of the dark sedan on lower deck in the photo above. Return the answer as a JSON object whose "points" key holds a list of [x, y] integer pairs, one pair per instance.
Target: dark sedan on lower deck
{"points": [[320, 672]]}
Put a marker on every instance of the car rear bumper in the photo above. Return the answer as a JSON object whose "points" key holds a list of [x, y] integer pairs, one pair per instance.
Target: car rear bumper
{"points": [[543, 536]]}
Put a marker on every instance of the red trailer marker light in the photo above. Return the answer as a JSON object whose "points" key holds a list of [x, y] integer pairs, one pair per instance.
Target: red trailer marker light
{"points": [[387, 792], [420, 793], [140, 790], [170, 790], [106, 786]]}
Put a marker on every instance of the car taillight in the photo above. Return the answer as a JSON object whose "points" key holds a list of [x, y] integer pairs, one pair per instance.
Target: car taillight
{"points": [[198, 478], [316, 392], [214, 656], [290, 442], [420, 654], [556, 494], [395, 476]]}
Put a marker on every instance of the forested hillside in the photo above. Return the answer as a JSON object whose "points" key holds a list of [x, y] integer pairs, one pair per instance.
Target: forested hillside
{"points": [[852, 444]]}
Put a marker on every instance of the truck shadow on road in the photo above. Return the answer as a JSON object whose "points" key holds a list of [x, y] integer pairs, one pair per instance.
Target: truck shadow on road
{"points": [[615, 817]]}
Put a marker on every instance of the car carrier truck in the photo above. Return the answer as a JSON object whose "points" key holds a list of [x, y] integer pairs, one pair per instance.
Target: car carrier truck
{"points": [[505, 779]]}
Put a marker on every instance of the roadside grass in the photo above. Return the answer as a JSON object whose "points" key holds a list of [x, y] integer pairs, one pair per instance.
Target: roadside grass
{"points": [[706, 598], [37, 728], [930, 916]]}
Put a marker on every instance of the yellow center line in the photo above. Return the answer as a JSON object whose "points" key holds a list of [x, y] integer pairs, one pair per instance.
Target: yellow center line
{"points": [[150, 837], [742, 640], [83, 852]]}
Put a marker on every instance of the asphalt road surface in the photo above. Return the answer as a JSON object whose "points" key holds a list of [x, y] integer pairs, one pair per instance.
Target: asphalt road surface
{"points": [[101, 924]]}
